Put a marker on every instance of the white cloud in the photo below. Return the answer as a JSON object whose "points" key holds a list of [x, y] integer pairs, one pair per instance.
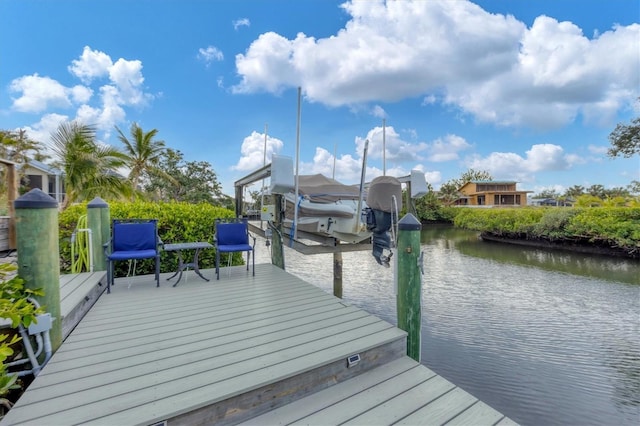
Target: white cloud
{"points": [[378, 112], [41, 131], [253, 151], [447, 149], [509, 165], [598, 150], [92, 64], [397, 149], [267, 56], [80, 94], [488, 65], [243, 22], [127, 79], [120, 84], [210, 54], [39, 94]]}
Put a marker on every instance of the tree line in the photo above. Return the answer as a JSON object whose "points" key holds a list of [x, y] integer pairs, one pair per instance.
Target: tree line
{"points": [[144, 168], [156, 172]]}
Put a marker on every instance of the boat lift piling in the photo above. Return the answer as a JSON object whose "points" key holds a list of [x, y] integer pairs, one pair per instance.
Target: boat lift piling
{"points": [[409, 277]]}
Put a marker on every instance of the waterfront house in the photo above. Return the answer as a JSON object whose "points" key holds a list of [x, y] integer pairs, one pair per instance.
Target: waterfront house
{"points": [[44, 177], [491, 194]]}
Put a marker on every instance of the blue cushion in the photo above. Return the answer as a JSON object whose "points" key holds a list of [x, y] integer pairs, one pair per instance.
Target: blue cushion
{"points": [[232, 234], [134, 236], [127, 254], [234, 247]]}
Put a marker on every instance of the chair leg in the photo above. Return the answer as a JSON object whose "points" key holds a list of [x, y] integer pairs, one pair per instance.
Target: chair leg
{"points": [[157, 271], [109, 276], [253, 263], [217, 265]]}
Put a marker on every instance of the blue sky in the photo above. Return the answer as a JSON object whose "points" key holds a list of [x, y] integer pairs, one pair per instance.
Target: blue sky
{"points": [[527, 90]]}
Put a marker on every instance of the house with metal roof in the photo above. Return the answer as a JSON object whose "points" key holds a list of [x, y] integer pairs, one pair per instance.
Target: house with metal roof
{"points": [[491, 194], [44, 177]]}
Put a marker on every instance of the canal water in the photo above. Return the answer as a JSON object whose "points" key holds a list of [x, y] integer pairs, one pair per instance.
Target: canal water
{"points": [[545, 337]]}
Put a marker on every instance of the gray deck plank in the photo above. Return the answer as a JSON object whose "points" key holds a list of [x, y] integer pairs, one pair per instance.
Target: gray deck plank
{"points": [[441, 410], [327, 398], [363, 402], [128, 401], [406, 402], [478, 413], [112, 370]]}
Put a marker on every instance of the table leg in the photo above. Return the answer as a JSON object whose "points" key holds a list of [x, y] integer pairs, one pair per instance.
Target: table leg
{"points": [[181, 267], [196, 268]]}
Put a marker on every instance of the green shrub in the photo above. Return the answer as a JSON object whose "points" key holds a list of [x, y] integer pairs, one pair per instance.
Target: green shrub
{"points": [[553, 224], [617, 226], [177, 223], [608, 226]]}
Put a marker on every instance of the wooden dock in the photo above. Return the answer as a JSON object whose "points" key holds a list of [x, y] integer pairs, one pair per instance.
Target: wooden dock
{"points": [[269, 349]]}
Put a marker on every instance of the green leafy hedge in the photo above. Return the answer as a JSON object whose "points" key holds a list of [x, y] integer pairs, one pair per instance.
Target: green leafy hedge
{"points": [[177, 223], [616, 227]]}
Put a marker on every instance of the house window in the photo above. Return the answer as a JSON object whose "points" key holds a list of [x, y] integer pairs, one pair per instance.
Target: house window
{"points": [[34, 181], [52, 186]]}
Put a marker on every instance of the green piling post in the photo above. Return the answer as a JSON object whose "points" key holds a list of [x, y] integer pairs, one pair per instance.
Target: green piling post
{"points": [[39, 254], [409, 296], [98, 221], [277, 246]]}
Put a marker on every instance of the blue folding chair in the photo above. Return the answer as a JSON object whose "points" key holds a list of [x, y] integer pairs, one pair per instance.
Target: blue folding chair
{"points": [[231, 236], [132, 239]]}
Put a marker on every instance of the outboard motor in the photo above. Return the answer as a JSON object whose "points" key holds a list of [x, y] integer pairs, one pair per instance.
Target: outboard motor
{"points": [[383, 200]]}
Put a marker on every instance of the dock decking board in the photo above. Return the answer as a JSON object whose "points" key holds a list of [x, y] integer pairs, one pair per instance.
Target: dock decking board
{"points": [[269, 349], [78, 293]]}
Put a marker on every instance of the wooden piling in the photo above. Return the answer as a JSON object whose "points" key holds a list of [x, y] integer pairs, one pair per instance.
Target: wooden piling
{"points": [[98, 219], [409, 297], [39, 254], [337, 274]]}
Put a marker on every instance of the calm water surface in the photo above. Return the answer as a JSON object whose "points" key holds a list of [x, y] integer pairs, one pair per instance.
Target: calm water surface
{"points": [[545, 337]]}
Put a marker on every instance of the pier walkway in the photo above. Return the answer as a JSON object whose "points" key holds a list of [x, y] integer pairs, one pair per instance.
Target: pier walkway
{"points": [[269, 349]]}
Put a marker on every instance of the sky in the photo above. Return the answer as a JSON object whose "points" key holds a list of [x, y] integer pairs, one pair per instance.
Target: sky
{"points": [[528, 91]]}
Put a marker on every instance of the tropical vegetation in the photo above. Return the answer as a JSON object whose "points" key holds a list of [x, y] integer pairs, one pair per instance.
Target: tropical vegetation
{"points": [[15, 307]]}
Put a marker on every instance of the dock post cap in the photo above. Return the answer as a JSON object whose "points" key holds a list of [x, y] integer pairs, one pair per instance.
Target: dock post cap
{"points": [[409, 223], [97, 203], [35, 199]]}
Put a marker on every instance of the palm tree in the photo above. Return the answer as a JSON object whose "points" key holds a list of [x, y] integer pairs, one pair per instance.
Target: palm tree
{"points": [[90, 168], [143, 155]]}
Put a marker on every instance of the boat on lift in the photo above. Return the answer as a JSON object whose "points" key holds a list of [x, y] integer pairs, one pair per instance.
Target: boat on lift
{"points": [[322, 206]]}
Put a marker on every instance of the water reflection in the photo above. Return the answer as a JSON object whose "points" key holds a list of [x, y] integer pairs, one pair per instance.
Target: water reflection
{"points": [[546, 338], [588, 265]]}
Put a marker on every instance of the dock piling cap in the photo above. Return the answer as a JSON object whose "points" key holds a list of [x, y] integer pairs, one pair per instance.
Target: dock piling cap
{"points": [[409, 223], [97, 203], [35, 199]]}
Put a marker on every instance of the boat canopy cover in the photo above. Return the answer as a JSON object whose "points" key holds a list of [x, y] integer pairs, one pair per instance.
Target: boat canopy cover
{"points": [[321, 189], [381, 190]]}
